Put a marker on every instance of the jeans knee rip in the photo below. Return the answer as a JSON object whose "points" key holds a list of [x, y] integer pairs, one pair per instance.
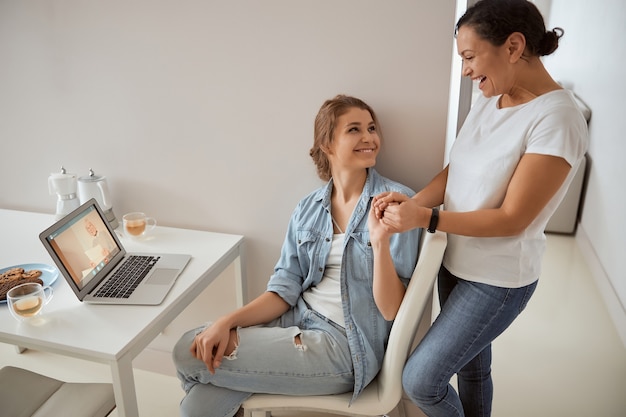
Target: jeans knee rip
{"points": [[233, 354], [297, 342]]}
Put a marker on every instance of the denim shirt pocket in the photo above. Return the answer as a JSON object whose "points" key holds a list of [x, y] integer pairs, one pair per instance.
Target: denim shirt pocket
{"points": [[309, 246], [361, 259]]}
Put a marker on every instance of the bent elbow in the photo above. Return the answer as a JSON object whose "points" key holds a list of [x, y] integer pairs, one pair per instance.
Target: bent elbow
{"points": [[517, 228], [389, 315], [388, 310]]}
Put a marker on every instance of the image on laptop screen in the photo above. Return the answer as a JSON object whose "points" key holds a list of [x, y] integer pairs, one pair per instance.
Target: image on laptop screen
{"points": [[84, 246]]}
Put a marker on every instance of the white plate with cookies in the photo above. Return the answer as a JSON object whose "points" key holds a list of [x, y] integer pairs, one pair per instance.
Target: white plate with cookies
{"points": [[49, 273]]}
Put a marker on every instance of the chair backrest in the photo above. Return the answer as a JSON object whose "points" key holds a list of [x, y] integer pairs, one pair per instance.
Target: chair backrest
{"points": [[416, 299], [385, 392]]}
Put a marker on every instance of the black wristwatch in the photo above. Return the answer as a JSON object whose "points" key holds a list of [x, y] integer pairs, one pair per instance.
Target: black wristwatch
{"points": [[434, 219]]}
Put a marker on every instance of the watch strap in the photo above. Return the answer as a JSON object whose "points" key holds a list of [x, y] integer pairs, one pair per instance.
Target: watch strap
{"points": [[434, 220]]}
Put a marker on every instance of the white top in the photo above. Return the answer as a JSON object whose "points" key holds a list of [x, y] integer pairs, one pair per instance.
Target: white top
{"points": [[482, 162], [325, 297]]}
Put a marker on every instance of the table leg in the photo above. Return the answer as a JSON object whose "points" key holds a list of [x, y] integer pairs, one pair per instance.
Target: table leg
{"points": [[124, 387], [240, 281]]}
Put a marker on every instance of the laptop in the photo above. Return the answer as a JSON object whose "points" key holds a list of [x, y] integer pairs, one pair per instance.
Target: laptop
{"points": [[95, 264]]}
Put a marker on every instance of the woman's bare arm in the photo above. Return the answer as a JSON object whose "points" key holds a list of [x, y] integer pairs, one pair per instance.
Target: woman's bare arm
{"points": [[535, 181], [210, 345]]}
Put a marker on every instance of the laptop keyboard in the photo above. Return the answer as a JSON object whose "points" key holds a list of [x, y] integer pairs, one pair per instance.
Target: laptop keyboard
{"points": [[126, 279]]}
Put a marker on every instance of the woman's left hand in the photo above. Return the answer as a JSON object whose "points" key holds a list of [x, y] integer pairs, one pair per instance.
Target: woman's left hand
{"points": [[387, 287], [377, 229], [397, 212], [383, 200], [210, 344]]}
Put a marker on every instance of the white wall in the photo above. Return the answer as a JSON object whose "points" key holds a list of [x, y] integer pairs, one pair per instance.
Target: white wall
{"points": [[590, 60], [200, 113]]}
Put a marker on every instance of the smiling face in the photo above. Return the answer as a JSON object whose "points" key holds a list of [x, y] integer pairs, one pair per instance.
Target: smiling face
{"points": [[484, 63], [355, 143]]}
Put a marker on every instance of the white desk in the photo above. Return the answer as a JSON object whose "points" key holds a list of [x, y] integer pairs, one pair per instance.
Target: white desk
{"points": [[113, 335]]}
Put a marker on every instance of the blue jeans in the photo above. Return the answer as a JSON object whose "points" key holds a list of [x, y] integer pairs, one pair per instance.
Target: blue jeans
{"points": [[268, 360], [459, 342]]}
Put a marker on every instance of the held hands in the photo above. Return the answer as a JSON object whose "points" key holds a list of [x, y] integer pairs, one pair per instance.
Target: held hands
{"points": [[396, 212], [378, 230]]}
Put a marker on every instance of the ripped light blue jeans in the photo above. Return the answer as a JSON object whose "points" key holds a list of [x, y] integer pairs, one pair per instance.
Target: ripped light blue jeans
{"points": [[459, 342], [267, 360]]}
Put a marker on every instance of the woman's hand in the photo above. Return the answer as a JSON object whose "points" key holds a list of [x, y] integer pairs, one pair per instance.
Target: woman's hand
{"points": [[209, 345], [383, 200], [221, 338], [397, 212], [388, 289], [377, 229]]}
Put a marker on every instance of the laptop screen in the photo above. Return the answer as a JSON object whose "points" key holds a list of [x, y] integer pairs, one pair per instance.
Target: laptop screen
{"points": [[83, 244]]}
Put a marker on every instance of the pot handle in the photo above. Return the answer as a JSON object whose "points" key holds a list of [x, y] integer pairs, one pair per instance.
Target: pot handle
{"points": [[104, 191]]}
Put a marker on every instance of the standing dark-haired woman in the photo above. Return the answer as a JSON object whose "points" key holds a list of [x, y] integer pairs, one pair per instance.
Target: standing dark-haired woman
{"points": [[509, 168]]}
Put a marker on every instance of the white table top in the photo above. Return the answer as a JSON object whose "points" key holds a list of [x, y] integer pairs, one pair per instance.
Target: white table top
{"points": [[102, 332]]}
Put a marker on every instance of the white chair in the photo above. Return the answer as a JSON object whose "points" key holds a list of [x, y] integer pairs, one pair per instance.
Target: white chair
{"points": [[25, 393], [384, 393]]}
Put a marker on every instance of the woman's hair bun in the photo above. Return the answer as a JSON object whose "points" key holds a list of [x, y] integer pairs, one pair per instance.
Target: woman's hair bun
{"points": [[550, 41]]}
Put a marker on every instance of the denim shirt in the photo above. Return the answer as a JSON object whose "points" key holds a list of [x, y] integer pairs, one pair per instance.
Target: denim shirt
{"points": [[303, 259]]}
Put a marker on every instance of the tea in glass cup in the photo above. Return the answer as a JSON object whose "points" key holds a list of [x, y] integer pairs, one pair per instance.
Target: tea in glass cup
{"points": [[137, 224], [26, 301]]}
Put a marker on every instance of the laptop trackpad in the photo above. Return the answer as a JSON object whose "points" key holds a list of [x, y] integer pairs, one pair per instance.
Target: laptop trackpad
{"points": [[162, 276]]}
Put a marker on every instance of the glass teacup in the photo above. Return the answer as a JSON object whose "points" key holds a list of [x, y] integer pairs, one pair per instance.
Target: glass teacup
{"points": [[27, 300]]}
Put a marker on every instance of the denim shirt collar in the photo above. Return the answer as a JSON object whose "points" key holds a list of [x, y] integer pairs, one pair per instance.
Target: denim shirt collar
{"points": [[326, 192]]}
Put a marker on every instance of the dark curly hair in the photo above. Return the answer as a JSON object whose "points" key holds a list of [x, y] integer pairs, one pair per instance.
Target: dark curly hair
{"points": [[495, 20], [324, 129]]}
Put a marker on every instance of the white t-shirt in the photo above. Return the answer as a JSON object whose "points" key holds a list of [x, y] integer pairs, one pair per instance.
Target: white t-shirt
{"points": [[482, 161], [325, 297]]}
